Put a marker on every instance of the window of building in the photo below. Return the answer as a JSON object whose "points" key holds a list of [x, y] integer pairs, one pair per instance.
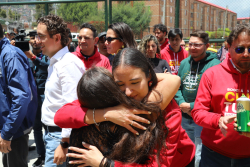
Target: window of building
{"points": [[197, 15], [171, 9], [185, 22], [171, 20], [198, 6], [186, 12], [185, 31], [207, 9], [185, 2], [243, 21], [207, 17], [191, 23], [192, 15], [197, 24], [192, 6], [171, 0], [201, 9]]}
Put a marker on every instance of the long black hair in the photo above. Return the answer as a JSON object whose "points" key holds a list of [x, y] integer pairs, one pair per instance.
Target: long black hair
{"points": [[97, 89]]}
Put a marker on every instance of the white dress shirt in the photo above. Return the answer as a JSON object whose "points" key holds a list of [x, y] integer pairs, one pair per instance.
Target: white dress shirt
{"points": [[64, 73]]}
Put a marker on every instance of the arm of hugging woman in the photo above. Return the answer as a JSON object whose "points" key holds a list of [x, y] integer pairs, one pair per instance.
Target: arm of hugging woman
{"points": [[73, 115], [168, 86]]}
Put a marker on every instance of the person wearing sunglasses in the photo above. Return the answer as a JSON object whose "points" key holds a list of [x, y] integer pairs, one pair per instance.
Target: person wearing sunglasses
{"points": [[87, 50], [119, 36], [215, 104], [190, 72]]}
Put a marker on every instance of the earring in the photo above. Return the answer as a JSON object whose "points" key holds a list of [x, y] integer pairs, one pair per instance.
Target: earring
{"points": [[122, 46], [150, 83]]}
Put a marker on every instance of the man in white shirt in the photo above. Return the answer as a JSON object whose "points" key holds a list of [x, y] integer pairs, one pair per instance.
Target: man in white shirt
{"points": [[64, 72]]}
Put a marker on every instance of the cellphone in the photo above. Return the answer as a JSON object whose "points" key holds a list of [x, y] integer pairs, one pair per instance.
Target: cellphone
{"points": [[23, 45]]}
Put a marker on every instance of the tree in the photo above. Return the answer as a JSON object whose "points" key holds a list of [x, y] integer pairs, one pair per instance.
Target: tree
{"points": [[40, 10], [3, 13], [14, 15], [79, 12], [137, 16]]}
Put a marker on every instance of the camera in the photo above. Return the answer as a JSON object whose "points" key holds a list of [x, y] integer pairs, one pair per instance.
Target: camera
{"points": [[20, 42]]}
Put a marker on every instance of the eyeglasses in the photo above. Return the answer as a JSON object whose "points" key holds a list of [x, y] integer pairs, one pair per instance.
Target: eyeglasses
{"points": [[241, 49], [109, 39], [196, 45], [40, 37]]}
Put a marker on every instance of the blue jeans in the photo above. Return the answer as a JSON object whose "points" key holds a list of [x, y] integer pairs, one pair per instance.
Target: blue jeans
{"points": [[38, 133], [52, 141], [210, 158], [194, 133]]}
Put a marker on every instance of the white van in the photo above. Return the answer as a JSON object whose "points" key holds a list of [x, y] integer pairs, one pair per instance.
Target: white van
{"points": [[74, 35]]}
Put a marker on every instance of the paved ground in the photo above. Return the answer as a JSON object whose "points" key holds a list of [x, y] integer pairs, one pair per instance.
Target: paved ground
{"points": [[32, 154]]}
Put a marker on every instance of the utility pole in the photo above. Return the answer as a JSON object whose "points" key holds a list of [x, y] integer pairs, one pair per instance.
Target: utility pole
{"points": [[225, 23]]}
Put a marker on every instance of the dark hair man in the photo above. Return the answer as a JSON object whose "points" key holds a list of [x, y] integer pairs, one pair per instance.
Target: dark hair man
{"points": [[18, 102], [215, 104], [87, 50], [64, 72], [190, 72], [174, 53], [161, 32], [39, 64]]}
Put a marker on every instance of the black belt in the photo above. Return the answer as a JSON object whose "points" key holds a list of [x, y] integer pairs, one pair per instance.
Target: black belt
{"points": [[52, 128]]}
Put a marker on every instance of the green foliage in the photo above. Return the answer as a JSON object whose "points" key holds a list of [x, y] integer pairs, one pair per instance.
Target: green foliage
{"points": [[14, 15], [40, 10], [34, 24], [137, 16], [218, 33], [79, 12], [3, 13]]}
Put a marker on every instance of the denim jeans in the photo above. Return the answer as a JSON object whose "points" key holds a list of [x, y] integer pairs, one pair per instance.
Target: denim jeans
{"points": [[194, 133], [38, 133], [52, 141], [210, 158]]}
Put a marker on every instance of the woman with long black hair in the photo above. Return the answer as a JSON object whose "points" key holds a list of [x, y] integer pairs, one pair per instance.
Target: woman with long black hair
{"points": [[136, 79]]}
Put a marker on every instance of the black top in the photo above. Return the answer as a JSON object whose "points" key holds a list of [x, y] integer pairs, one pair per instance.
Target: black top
{"points": [[159, 65]]}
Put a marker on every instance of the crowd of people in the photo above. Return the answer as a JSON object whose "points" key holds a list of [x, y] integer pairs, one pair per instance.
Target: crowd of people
{"points": [[111, 102]]}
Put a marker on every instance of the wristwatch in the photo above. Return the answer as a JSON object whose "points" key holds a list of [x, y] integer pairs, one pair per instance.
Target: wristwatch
{"points": [[64, 144]]}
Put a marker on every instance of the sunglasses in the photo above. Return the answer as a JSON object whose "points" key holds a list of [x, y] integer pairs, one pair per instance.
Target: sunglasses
{"points": [[241, 49], [109, 39]]}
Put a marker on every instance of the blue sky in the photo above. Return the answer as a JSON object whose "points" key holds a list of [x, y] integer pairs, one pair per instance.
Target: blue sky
{"points": [[241, 7]]}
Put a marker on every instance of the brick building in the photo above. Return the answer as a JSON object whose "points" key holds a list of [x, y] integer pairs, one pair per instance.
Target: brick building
{"points": [[243, 20], [193, 15], [189, 15]]}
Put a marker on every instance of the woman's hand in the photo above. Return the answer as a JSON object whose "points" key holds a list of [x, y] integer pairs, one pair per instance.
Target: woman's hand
{"points": [[90, 156], [122, 116]]}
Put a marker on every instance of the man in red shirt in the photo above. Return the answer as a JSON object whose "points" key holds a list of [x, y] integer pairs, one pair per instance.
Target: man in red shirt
{"points": [[87, 50], [174, 53], [215, 105], [161, 31]]}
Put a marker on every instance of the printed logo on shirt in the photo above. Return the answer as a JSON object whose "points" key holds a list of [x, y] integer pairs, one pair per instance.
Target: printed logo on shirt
{"points": [[230, 100], [191, 81], [174, 66]]}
